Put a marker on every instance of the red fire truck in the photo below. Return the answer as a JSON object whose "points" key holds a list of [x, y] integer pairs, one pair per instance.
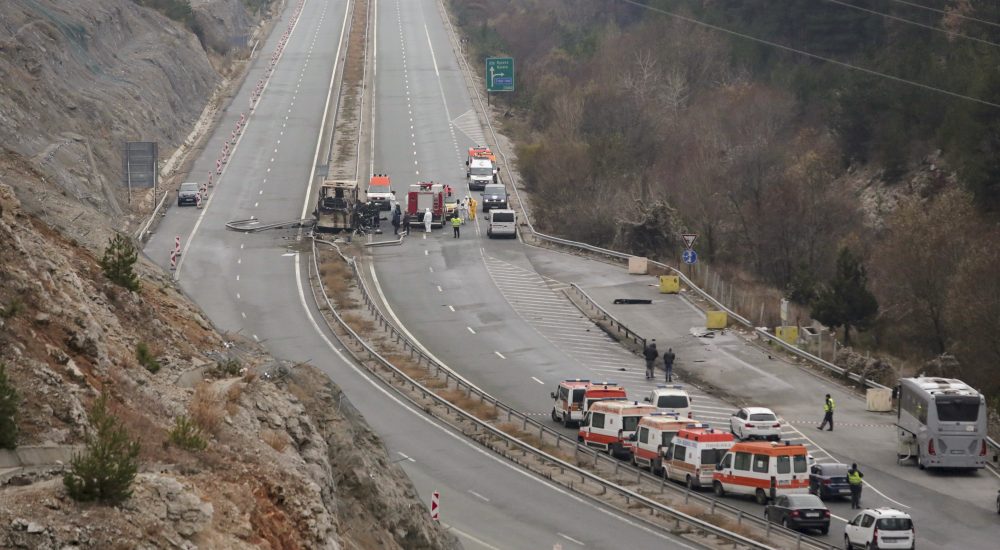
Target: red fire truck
{"points": [[422, 196]]}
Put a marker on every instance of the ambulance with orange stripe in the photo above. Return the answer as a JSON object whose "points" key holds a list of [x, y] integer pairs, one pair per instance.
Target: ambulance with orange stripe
{"points": [[693, 454], [762, 469], [651, 441], [608, 425]]}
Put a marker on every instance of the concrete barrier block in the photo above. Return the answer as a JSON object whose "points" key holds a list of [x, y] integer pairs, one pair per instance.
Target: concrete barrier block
{"points": [[879, 399], [638, 265]]}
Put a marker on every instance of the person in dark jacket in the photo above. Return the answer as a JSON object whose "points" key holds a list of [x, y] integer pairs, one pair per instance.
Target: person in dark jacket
{"points": [[650, 354], [668, 363], [406, 224], [396, 218]]}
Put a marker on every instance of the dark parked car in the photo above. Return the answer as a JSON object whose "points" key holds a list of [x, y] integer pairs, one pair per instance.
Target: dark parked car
{"points": [[188, 194], [799, 512], [494, 196], [829, 480]]}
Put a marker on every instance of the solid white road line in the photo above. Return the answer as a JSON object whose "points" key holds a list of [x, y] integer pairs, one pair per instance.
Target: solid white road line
{"points": [[571, 539], [479, 496], [405, 457], [465, 535]]}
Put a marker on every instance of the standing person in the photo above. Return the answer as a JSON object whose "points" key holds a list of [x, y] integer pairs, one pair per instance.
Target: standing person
{"points": [[473, 203], [395, 221], [650, 354], [463, 208], [428, 219], [827, 413], [456, 225], [668, 363], [406, 224], [854, 477]]}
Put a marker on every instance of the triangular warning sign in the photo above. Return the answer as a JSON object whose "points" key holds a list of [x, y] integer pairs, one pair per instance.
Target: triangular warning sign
{"points": [[689, 239]]}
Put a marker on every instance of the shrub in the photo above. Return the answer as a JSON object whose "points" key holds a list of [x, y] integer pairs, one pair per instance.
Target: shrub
{"points": [[145, 358], [118, 262], [104, 472], [226, 369], [206, 408], [8, 411], [13, 307], [187, 435]]}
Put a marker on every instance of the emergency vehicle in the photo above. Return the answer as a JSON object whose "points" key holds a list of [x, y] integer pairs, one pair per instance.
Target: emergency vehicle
{"points": [[380, 191], [652, 439], [481, 168], [693, 455], [426, 195], [762, 469], [608, 425], [575, 396], [671, 399]]}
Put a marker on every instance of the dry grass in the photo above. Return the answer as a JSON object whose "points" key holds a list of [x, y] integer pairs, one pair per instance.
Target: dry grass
{"points": [[721, 521], [360, 324], [337, 280], [276, 439], [206, 408], [471, 405]]}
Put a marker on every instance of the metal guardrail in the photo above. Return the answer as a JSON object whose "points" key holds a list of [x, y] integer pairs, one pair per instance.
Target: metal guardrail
{"points": [[140, 235], [529, 424], [253, 225], [611, 319]]}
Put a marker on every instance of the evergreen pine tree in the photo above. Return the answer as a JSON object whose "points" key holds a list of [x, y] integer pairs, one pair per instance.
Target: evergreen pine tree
{"points": [[119, 262], [846, 300], [8, 411], [105, 470]]}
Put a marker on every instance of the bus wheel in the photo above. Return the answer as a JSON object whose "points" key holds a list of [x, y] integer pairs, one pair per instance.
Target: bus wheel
{"points": [[719, 490], [761, 496]]}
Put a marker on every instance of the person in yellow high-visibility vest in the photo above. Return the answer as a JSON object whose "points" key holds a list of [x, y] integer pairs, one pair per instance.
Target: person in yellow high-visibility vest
{"points": [[473, 204], [854, 480], [827, 413], [456, 224]]}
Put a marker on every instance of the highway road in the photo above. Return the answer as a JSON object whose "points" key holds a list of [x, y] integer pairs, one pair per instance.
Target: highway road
{"points": [[255, 285], [492, 310]]}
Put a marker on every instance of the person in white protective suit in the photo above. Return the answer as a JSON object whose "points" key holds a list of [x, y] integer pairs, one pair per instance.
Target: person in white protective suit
{"points": [[427, 220], [463, 209]]}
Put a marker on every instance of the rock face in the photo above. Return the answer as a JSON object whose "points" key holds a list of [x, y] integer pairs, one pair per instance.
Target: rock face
{"points": [[281, 468]]}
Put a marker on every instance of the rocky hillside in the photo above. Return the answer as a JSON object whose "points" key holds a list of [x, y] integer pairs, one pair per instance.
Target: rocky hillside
{"points": [[288, 464]]}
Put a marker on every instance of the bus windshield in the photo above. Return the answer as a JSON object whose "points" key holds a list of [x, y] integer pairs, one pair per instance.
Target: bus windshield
{"points": [[957, 408]]}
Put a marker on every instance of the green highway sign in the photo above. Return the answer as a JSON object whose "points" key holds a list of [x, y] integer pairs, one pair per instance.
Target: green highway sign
{"points": [[499, 74]]}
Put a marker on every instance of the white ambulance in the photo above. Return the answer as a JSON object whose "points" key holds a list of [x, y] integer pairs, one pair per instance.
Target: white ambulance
{"points": [[671, 399], [762, 469], [574, 397], [693, 455], [608, 425], [651, 441]]}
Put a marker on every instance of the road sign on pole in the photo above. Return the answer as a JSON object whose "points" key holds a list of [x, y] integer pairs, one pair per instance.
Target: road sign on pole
{"points": [[499, 74], [689, 256], [689, 239]]}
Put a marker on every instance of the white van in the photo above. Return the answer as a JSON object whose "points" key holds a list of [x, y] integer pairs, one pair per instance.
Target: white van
{"points": [[503, 223]]}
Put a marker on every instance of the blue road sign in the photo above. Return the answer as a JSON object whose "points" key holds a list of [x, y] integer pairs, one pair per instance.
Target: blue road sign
{"points": [[689, 256]]}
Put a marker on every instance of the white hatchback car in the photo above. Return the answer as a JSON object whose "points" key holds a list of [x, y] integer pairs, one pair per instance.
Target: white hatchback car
{"points": [[880, 528], [755, 423]]}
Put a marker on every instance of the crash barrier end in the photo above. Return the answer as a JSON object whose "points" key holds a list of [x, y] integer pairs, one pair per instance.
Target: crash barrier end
{"points": [[716, 319], [670, 284]]}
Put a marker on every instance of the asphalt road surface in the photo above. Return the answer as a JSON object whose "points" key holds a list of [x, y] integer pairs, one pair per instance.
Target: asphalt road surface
{"points": [[492, 309], [254, 284]]}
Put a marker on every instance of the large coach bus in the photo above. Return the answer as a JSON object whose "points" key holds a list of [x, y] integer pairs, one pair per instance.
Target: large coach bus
{"points": [[941, 422]]}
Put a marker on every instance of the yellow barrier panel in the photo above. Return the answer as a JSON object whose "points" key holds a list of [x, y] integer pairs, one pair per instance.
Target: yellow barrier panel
{"points": [[670, 284], [716, 319], [789, 335]]}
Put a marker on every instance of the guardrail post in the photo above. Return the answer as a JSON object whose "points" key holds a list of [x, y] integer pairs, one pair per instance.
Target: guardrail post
{"points": [[798, 541], [617, 464], [663, 482], [524, 423], [687, 495], [595, 458], [739, 518], [509, 413], [767, 529], [712, 509], [541, 430]]}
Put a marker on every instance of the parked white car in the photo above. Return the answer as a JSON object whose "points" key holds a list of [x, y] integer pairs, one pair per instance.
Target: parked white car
{"points": [[671, 399], [884, 528], [755, 423]]}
